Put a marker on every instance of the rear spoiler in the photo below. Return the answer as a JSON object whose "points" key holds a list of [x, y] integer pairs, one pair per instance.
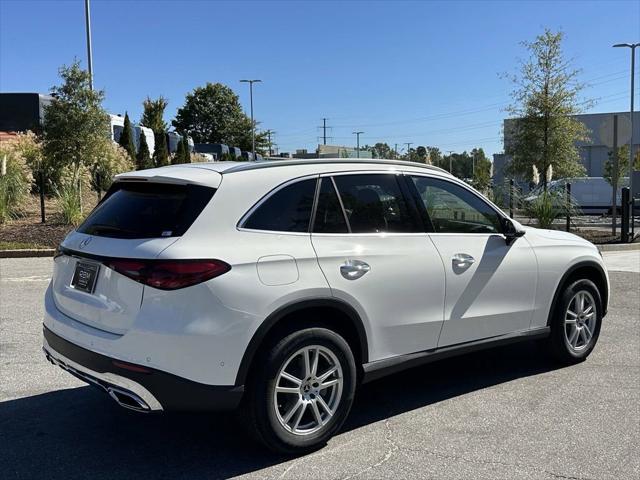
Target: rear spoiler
{"points": [[175, 174]]}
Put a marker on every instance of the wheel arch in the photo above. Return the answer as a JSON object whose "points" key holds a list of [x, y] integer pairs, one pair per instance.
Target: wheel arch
{"points": [[345, 321], [586, 269]]}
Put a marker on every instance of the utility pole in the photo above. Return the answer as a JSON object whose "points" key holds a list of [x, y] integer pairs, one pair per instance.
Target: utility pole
{"points": [[450, 152], [253, 125], [357, 134], [269, 133], [324, 130], [632, 47], [395, 151], [87, 20], [473, 165], [408, 144]]}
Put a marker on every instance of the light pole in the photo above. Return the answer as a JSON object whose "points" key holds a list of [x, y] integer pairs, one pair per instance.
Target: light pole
{"points": [[253, 125], [357, 134], [631, 46], [87, 20]]}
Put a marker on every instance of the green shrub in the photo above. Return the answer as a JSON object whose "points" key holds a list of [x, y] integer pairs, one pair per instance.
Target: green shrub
{"points": [[69, 193], [15, 180], [548, 206], [113, 159], [70, 205]]}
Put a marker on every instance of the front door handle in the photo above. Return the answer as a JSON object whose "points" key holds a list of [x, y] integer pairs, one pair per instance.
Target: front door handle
{"points": [[354, 269], [462, 260]]}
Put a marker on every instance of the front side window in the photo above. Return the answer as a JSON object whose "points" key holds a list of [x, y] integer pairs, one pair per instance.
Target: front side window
{"points": [[287, 210], [374, 203], [454, 209]]}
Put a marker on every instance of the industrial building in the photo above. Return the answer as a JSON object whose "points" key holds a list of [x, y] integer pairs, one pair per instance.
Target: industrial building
{"points": [[333, 151], [594, 152]]}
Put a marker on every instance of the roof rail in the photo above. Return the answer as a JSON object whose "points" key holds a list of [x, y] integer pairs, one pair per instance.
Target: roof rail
{"points": [[320, 161]]}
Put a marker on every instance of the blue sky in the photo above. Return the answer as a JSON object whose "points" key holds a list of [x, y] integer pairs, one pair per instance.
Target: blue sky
{"points": [[421, 72]]}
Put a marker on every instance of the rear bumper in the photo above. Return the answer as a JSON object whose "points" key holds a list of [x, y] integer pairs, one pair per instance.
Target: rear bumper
{"points": [[146, 390]]}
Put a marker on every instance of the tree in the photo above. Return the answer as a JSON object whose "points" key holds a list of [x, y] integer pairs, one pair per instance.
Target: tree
{"points": [[161, 152], [153, 114], [543, 131], [182, 152], [481, 169], [213, 114], [186, 153], [153, 118], [126, 138], [382, 150], [435, 156], [143, 158], [610, 173], [75, 126], [115, 159], [423, 155]]}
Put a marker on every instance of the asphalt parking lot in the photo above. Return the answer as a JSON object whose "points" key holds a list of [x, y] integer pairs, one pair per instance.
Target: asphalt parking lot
{"points": [[498, 414]]}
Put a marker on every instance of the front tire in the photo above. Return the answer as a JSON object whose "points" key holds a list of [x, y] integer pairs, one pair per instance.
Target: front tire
{"points": [[301, 391], [576, 322]]}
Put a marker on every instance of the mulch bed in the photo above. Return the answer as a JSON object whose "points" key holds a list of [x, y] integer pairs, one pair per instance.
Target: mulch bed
{"points": [[28, 229]]}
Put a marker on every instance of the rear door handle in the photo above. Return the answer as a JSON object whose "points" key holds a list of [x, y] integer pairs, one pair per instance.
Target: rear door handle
{"points": [[354, 269], [462, 260]]}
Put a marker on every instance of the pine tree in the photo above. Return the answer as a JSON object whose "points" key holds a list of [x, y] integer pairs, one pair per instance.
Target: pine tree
{"points": [[143, 159], [126, 138], [178, 156], [161, 153], [186, 154]]}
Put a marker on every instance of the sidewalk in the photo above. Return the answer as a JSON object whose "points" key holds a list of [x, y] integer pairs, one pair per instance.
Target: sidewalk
{"points": [[622, 261]]}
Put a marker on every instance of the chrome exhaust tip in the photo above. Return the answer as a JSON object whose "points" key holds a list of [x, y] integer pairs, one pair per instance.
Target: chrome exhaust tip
{"points": [[127, 399]]}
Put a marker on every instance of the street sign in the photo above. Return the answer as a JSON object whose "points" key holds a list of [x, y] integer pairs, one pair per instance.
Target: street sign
{"points": [[624, 131]]}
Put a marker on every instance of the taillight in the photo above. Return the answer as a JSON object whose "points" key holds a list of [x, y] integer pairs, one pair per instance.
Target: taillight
{"points": [[169, 274]]}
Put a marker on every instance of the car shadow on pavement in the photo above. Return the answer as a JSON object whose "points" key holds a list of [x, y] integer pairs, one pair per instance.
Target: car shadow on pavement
{"points": [[79, 433]]}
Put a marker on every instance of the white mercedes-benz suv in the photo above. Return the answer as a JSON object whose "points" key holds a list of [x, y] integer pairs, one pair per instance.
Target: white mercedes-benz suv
{"points": [[278, 287]]}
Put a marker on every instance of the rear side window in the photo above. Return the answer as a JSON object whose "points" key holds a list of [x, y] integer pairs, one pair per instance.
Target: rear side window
{"points": [[329, 215], [146, 210], [374, 203], [287, 210]]}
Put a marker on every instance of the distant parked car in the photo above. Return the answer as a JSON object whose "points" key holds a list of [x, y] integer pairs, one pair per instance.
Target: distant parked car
{"points": [[248, 156], [592, 194], [235, 152], [216, 150]]}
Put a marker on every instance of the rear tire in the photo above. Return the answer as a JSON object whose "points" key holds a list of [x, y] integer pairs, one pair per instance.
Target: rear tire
{"points": [[293, 405], [575, 323]]}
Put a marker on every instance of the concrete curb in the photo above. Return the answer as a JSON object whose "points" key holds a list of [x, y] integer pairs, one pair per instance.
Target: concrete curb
{"points": [[619, 247], [39, 252]]}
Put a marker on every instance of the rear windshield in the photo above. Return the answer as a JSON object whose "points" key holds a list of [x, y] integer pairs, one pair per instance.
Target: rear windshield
{"points": [[146, 210]]}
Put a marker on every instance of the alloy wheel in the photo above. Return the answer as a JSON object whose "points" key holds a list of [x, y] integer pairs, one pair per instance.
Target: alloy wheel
{"points": [[308, 390], [580, 321]]}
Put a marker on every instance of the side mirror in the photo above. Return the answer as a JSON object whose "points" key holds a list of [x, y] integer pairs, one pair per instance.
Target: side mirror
{"points": [[510, 231]]}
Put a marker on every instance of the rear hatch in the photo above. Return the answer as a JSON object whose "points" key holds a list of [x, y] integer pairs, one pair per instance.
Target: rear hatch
{"points": [[94, 280]]}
